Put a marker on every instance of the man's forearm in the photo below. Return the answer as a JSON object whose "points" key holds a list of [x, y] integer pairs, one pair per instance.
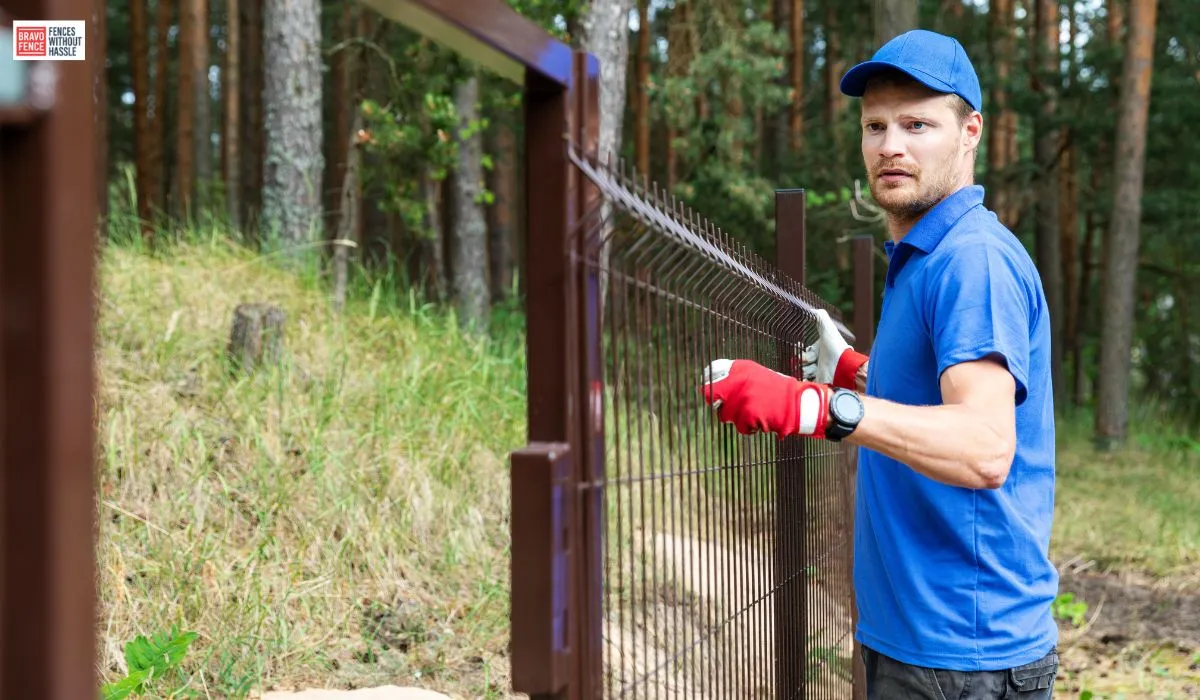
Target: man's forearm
{"points": [[950, 443]]}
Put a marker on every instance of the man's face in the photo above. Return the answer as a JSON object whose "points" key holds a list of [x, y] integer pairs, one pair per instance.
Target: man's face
{"points": [[914, 147]]}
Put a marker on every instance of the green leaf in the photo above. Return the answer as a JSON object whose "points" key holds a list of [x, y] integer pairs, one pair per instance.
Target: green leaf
{"points": [[122, 689], [159, 654]]}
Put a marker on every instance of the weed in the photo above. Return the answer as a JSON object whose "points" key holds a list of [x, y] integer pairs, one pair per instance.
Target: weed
{"points": [[1065, 607], [149, 660]]}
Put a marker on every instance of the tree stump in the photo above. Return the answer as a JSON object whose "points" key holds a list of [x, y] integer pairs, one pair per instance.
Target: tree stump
{"points": [[256, 338]]}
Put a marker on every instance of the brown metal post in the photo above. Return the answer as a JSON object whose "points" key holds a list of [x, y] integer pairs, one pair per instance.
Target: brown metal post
{"points": [[864, 333], [551, 213], [864, 292], [588, 384], [541, 514], [791, 554], [47, 490], [564, 357]]}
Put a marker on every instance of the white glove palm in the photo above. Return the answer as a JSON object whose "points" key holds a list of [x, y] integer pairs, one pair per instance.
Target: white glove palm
{"points": [[820, 360]]}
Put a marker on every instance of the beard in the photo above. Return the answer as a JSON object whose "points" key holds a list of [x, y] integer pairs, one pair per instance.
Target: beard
{"points": [[910, 198]]}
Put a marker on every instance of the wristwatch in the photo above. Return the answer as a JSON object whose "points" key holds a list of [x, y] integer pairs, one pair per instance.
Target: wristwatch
{"points": [[845, 411]]}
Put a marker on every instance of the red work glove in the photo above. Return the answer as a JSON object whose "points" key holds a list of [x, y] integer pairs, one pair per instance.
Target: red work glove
{"points": [[831, 360], [755, 399]]}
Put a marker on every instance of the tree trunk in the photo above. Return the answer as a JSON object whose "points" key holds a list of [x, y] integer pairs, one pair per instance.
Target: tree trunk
{"points": [[97, 47], [231, 139], [434, 242], [1086, 302], [470, 227], [1121, 246], [1069, 227], [185, 118], [893, 18], [251, 131], [1115, 21], [834, 68], [501, 224], [678, 60], [734, 104], [1048, 241], [1069, 224], [1000, 21], [347, 226], [796, 53], [139, 58], [1186, 371], [202, 133], [606, 36], [342, 105], [642, 91], [950, 17], [292, 119], [157, 157]]}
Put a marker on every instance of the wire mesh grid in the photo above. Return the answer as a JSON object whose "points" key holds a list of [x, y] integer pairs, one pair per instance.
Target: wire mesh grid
{"points": [[725, 557]]}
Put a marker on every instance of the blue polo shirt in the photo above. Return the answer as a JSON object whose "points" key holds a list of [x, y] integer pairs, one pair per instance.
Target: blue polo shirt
{"points": [[950, 577]]}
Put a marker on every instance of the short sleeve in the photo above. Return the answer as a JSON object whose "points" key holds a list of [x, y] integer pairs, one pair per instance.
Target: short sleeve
{"points": [[978, 307]]}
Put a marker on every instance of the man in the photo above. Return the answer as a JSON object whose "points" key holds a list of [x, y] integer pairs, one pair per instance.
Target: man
{"points": [[955, 486]]}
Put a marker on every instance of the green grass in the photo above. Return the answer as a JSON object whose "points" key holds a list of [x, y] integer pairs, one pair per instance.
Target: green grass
{"points": [[340, 519], [1132, 508]]}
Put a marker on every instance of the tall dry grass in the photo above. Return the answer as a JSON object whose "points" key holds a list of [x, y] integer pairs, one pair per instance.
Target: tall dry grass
{"points": [[339, 520]]}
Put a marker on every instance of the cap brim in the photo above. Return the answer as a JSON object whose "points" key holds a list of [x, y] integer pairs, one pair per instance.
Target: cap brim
{"points": [[854, 82]]}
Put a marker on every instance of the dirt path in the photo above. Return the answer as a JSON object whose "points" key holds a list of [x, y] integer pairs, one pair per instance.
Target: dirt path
{"points": [[702, 634], [1130, 608], [1141, 638]]}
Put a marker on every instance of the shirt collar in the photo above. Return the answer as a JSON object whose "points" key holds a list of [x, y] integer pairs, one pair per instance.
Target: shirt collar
{"points": [[927, 233], [937, 222]]}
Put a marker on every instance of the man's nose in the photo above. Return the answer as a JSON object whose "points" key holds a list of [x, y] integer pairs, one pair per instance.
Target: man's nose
{"points": [[893, 143]]}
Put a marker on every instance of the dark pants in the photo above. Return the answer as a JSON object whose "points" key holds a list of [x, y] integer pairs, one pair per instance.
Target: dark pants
{"points": [[889, 679]]}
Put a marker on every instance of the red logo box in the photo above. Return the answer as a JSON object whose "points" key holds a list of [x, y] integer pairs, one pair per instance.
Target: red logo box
{"points": [[31, 41]]}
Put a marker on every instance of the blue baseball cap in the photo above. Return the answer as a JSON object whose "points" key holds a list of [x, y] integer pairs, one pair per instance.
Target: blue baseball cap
{"points": [[935, 60]]}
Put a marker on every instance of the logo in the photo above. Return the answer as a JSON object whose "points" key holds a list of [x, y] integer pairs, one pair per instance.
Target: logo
{"points": [[49, 41]]}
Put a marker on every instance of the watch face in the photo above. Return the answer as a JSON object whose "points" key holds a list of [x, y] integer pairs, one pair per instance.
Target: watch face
{"points": [[848, 407]]}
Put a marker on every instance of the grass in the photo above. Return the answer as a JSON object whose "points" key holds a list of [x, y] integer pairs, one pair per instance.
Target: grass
{"points": [[1131, 509], [338, 520], [341, 519]]}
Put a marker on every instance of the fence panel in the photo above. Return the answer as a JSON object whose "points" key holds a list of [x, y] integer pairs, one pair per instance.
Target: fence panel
{"points": [[724, 557]]}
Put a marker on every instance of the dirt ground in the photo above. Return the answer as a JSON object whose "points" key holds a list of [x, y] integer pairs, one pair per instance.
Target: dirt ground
{"points": [[1141, 638]]}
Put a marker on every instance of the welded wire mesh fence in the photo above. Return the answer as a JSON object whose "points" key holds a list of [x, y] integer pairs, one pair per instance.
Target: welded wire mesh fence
{"points": [[724, 562]]}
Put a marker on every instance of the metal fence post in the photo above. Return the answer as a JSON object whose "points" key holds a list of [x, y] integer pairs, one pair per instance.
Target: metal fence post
{"points": [[864, 292], [588, 385], [47, 469], [544, 631], [864, 335], [791, 581]]}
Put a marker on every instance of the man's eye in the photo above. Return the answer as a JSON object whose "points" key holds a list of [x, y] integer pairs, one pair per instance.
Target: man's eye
{"points": [[918, 125], [874, 127]]}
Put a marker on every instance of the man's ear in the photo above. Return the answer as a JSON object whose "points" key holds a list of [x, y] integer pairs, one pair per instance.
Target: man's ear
{"points": [[973, 131]]}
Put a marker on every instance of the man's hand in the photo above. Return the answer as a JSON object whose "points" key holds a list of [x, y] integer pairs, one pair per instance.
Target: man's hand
{"points": [[755, 399], [831, 360]]}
